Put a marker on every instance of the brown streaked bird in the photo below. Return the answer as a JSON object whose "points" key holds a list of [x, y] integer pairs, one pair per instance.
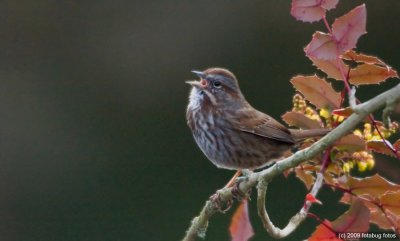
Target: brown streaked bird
{"points": [[229, 131]]}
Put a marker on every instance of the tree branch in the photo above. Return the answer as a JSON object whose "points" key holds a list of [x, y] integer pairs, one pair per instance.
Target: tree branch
{"points": [[199, 224]]}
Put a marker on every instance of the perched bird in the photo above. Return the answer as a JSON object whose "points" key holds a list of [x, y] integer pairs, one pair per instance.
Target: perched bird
{"points": [[229, 131]]}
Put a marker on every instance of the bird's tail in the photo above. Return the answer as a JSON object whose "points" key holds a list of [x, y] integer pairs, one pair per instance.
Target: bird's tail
{"points": [[301, 135]]}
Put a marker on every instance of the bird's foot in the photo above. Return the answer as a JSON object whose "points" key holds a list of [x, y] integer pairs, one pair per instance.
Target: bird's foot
{"points": [[221, 207], [237, 193]]}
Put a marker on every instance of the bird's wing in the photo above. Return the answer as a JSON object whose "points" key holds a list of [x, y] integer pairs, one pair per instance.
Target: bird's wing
{"points": [[260, 124]]}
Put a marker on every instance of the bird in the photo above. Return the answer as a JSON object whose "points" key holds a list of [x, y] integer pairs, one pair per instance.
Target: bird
{"points": [[229, 131]]}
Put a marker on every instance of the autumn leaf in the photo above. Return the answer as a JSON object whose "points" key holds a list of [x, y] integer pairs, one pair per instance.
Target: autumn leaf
{"points": [[391, 201], [305, 176], [346, 31], [374, 186], [317, 91], [397, 144], [332, 172], [334, 169], [351, 143], [380, 219], [371, 74], [388, 215], [311, 10], [379, 146], [331, 67], [356, 219], [384, 209], [322, 46], [329, 4], [240, 227], [346, 112], [362, 58], [346, 198], [348, 28], [323, 233], [329, 179], [300, 120]]}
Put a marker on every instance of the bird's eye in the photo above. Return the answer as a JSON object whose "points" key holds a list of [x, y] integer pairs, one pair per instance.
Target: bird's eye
{"points": [[217, 84]]}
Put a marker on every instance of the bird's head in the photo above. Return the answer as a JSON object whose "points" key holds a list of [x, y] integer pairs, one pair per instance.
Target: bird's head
{"points": [[216, 86]]}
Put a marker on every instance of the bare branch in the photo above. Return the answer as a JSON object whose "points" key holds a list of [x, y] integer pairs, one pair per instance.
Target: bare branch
{"points": [[295, 221]]}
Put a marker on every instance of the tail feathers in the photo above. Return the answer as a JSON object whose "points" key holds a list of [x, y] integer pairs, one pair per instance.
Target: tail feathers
{"points": [[300, 135]]}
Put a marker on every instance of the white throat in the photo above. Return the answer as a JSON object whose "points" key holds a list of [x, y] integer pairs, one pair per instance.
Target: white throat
{"points": [[195, 99]]}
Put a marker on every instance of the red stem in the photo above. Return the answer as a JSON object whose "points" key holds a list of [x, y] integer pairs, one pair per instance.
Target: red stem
{"points": [[314, 216], [327, 25], [394, 150]]}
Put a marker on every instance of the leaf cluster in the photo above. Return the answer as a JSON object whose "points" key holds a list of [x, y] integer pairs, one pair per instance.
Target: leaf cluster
{"points": [[317, 104]]}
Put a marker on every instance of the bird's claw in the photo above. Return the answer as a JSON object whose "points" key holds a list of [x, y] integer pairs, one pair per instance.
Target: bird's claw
{"points": [[216, 199], [237, 193]]}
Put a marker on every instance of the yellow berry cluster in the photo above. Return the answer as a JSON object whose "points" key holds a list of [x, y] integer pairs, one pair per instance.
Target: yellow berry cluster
{"points": [[371, 134], [363, 160], [329, 117], [312, 114], [300, 105]]}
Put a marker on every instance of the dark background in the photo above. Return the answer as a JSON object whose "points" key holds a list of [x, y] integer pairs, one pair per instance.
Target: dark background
{"points": [[93, 137]]}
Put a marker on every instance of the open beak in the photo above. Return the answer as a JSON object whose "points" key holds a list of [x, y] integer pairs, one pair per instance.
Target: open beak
{"points": [[195, 83], [200, 74], [202, 84]]}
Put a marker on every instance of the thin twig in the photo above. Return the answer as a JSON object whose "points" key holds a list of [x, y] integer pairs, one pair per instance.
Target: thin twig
{"points": [[295, 221], [268, 225]]}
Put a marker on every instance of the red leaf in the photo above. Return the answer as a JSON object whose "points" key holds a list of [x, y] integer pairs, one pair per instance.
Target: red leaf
{"points": [[346, 112], [397, 144], [329, 4], [356, 219], [322, 46], [305, 176], [384, 221], [240, 228], [362, 58], [311, 10], [322, 233], [379, 146], [317, 91], [300, 120], [331, 67], [346, 198], [373, 186], [348, 28], [391, 201], [371, 74], [389, 216], [351, 142]]}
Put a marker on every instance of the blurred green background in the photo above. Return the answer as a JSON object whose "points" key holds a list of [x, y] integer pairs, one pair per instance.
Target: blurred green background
{"points": [[93, 138]]}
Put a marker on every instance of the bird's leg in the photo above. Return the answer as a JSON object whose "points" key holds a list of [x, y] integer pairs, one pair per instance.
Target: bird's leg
{"points": [[233, 179], [217, 199], [236, 192]]}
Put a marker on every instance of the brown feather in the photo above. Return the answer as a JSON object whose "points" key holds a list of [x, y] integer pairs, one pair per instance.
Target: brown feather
{"points": [[301, 135], [260, 124]]}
